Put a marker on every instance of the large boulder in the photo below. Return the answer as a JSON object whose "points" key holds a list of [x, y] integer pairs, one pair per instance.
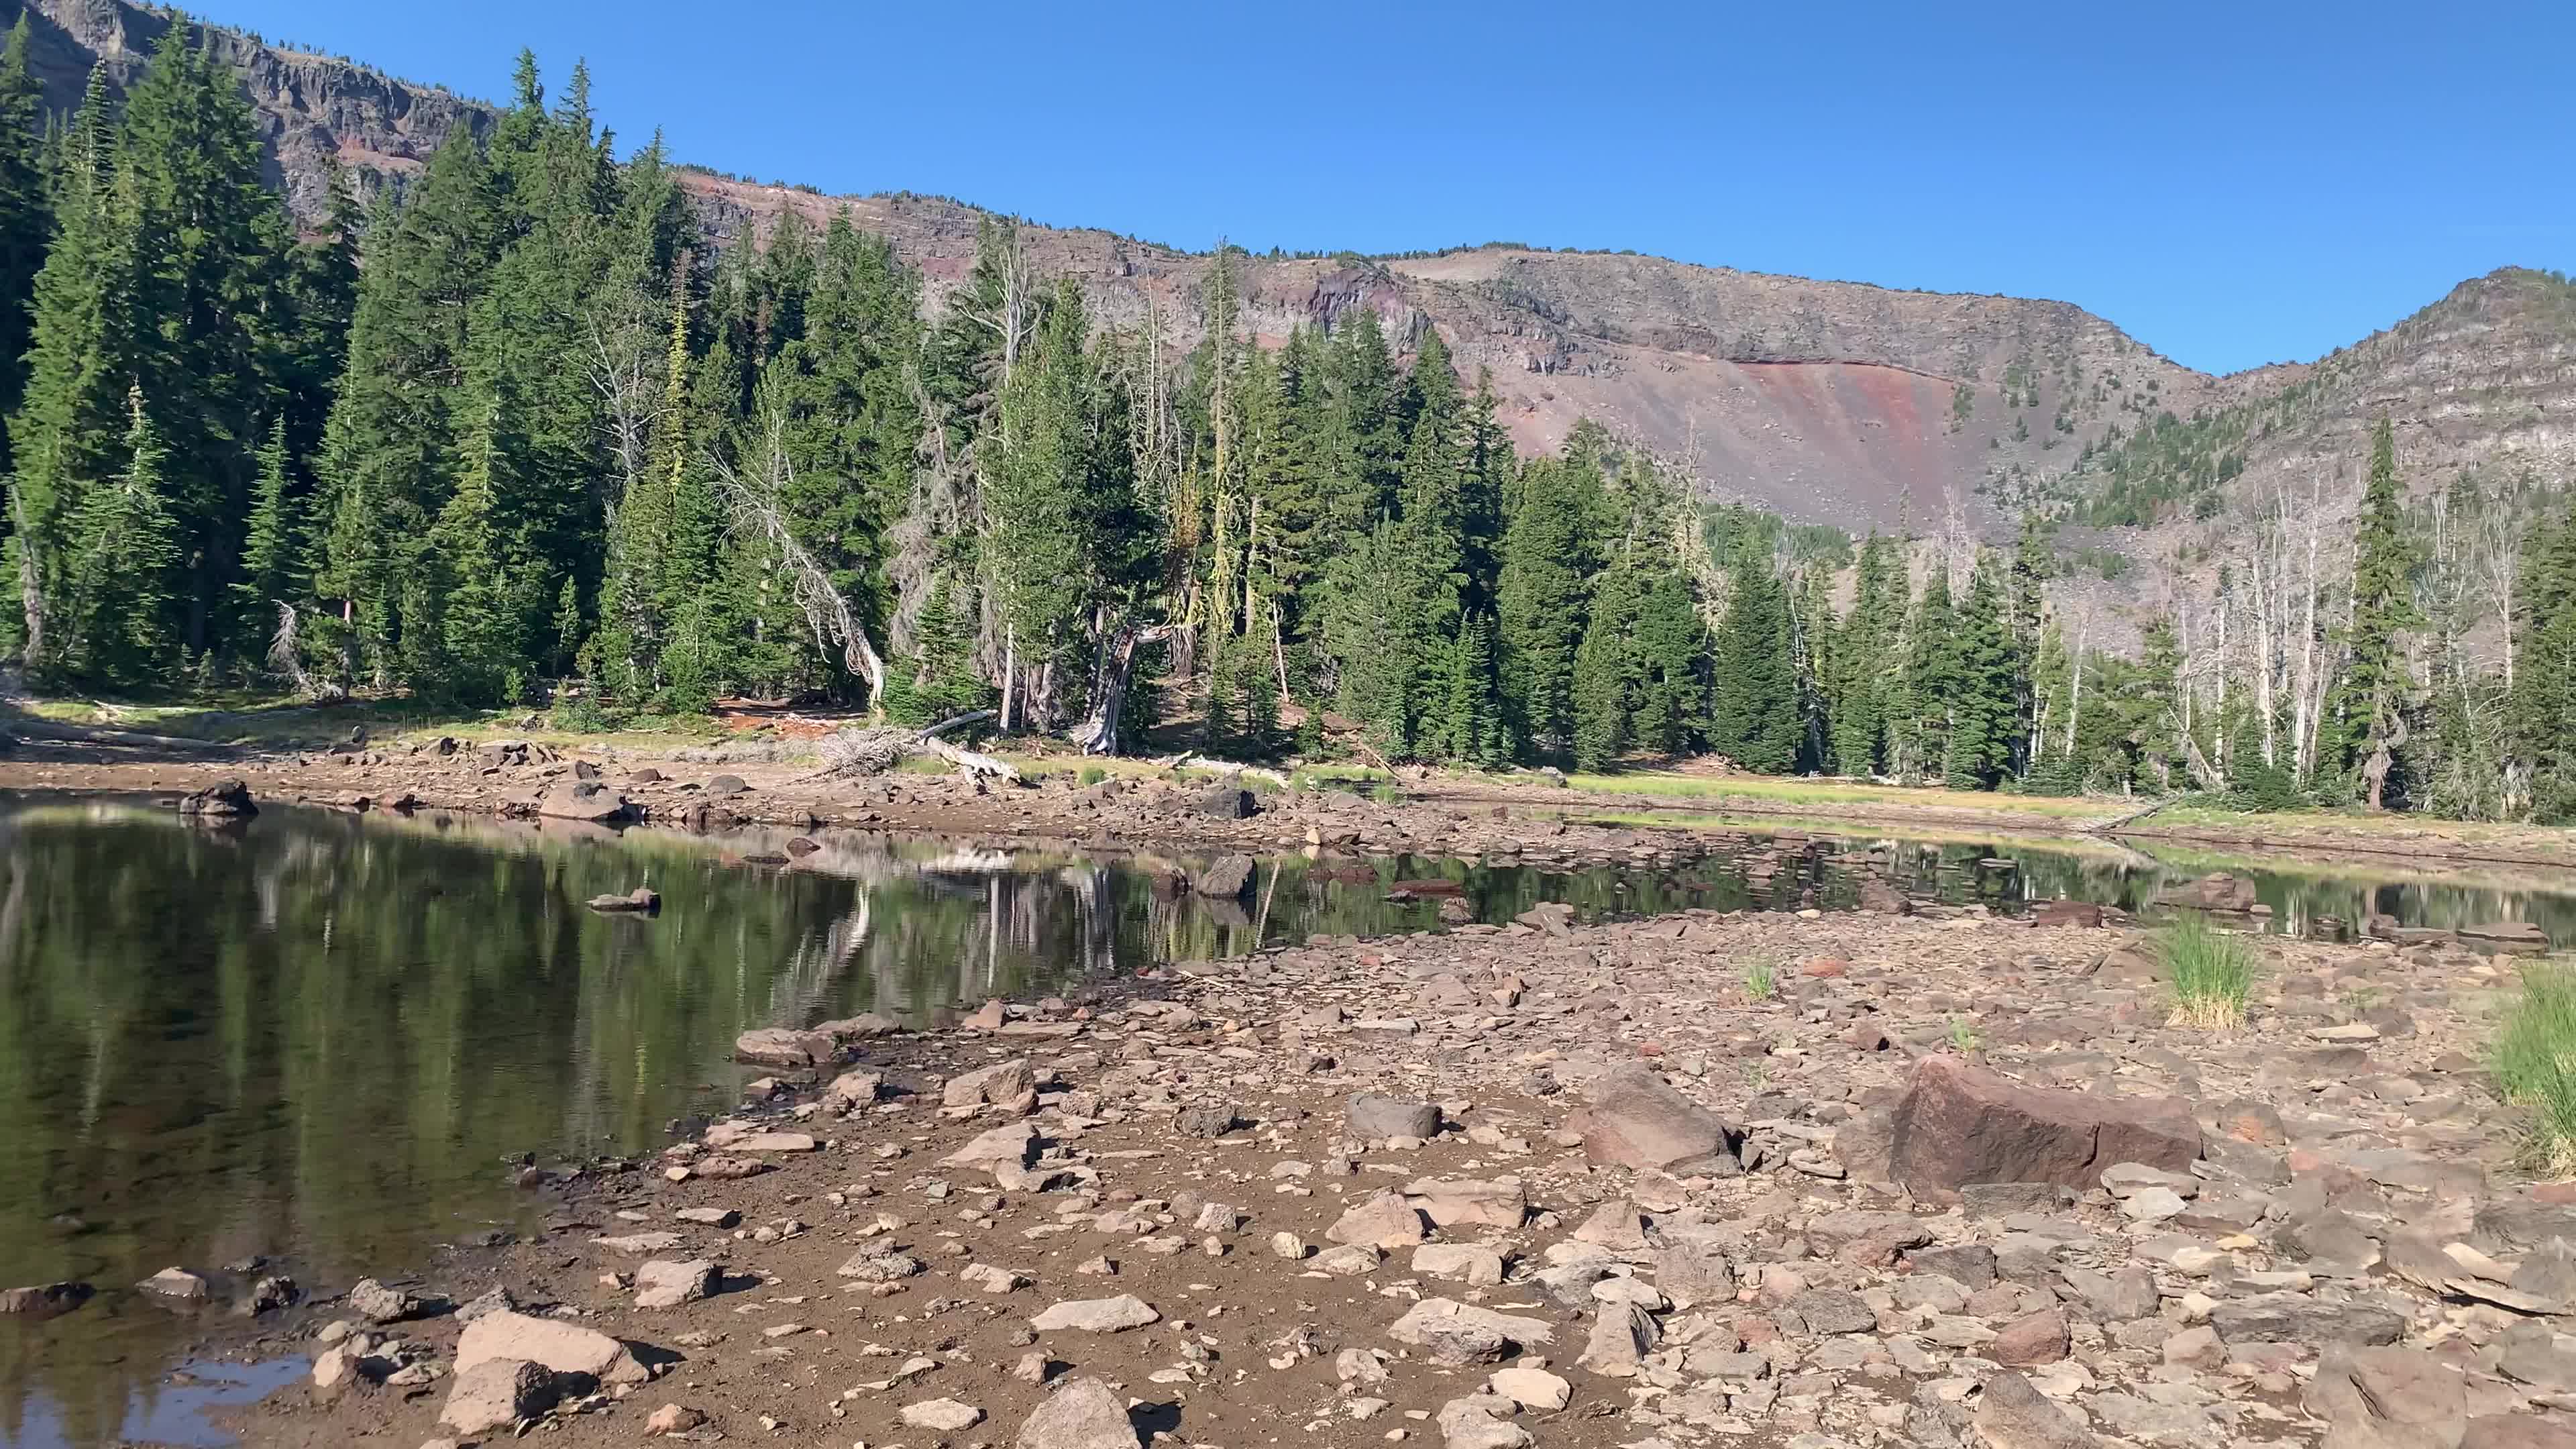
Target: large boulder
{"points": [[1227, 802], [497, 1393], [1083, 1414], [1229, 876], [1636, 1119], [779, 1046], [1959, 1124], [583, 800], [566, 1348], [224, 797], [1374, 1118], [45, 1299]]}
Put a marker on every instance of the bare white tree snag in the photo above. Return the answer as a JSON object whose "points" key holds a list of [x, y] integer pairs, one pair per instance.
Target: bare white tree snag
{"points": [[753, 504], [1112, 667], [627, 333]]}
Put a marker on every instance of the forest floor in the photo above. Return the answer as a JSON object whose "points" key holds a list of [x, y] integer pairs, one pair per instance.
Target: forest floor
{"points": [[291, 747]]}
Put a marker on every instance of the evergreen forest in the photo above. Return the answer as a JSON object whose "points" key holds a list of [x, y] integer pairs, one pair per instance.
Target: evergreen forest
{"points": [[518, 436]]}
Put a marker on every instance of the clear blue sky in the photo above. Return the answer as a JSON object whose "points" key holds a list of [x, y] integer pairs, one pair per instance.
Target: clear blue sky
{"points": [[2232, 183]]}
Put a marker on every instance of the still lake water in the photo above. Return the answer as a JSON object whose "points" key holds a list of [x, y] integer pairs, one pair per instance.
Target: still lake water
{"points": [[320, 1038]]}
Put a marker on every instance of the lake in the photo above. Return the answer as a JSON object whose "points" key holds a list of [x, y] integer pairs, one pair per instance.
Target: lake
{"points": [[325, 1040]]}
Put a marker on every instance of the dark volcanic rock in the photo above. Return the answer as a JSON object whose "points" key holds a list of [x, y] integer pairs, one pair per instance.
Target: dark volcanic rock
{"points": [[1959, 1124]]}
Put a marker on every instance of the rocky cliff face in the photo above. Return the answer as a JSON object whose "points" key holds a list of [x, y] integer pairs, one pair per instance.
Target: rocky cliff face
{"points": [[1829, 401], [312, 108]]}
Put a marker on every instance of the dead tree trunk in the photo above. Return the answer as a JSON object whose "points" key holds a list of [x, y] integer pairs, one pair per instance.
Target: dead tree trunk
{"points": [[1113, 667]]}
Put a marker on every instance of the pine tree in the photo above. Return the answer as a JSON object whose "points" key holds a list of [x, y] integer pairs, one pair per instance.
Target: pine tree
{"points": [[1605, 673], [123, 570], [1866, 661], [26, 217], [1547, 556], [81, 363], [1981, 686], [1932, 681], [2383, 606], [1753, 712], [275, 550]]}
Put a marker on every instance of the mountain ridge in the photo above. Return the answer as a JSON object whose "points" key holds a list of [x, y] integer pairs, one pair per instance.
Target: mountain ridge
{"points": [[1851, 403]]}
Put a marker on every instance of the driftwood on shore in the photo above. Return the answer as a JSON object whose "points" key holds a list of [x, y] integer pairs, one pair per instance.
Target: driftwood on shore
{"points": [[879, 748]]}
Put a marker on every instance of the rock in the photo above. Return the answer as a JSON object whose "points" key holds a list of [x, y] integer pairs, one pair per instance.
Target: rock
{"points": [[583, 800], [1970, 1265], [1459, 1263], [1453, 1202], [1693, 1270], [1959, 1124], [1834, 1310], [1373, 1118], [176, 1284], [2512, 938], [1635, 1119], [1097, 1315], [2516, 1431], [566, 1348], [2387, 1398], [497, 1393], [999, 1149], [1227, 802], [643, 900], [1080, 1414], [1385, 1220], [672, 1419], [2217, 891], [876, 1265], [222, 798], [1531, 1388], [1455, 1333], [991, 1278], [1226, 877], [1621, 1338], [2013, 1415], [1349, 1261], [853, 1090], [634, 1243], [2030, 1340], [1010, 1085], [45, 1299], [778, 1046], [1204, 1121], [2297, 1318], [378, 1303], [1481, 1421], [945, 1415], [2537, 1355], [723, 787], [1615, 1225], [665, 1284]]}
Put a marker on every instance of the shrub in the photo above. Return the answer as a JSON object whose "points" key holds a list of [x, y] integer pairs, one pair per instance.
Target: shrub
{"points": [[1093, 775], [2535, 1063], [2212, 972]]}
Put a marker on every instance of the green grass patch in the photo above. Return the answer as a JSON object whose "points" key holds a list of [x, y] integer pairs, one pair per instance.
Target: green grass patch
{"points": [[2535, 1063], [1834, 792], [1762, 978], [2212, 972]]}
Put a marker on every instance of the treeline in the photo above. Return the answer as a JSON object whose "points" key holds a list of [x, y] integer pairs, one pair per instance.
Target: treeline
{"points": [[546, 447]]}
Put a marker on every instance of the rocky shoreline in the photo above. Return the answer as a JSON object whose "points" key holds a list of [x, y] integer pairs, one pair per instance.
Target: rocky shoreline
{"points": [[1946, 1183]]}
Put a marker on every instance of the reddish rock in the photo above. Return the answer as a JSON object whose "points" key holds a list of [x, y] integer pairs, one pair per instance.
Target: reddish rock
{"points": [[1960, 1123], [2066, 913], [2035, 1338], [1824, 966], [1637, 1120]]}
